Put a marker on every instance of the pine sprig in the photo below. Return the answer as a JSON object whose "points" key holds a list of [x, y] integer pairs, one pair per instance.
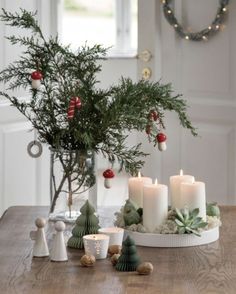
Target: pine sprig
{"points": [[105, 114]]}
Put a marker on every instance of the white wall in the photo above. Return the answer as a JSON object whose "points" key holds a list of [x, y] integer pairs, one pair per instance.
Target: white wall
{"points": [[204, 72]]}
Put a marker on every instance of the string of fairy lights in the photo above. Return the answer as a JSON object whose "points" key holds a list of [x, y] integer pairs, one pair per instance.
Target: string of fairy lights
{"points": [[202, 35]]}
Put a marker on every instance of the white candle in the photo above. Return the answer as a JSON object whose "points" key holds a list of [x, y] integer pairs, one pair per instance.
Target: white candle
{"points": [[96, 245], [175, 182], [155, 205], [136, 189], [116, 235], [194, 196]]}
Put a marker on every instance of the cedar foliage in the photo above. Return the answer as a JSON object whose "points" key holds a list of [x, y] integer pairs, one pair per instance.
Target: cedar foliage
{"points": [[105, 114]]}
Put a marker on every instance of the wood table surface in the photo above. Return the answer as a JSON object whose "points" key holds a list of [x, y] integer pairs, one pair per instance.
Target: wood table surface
{"points": [[203, 269]]}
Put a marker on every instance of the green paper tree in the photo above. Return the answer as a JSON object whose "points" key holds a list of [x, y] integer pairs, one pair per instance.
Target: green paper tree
{"points": [[129, 260], [86, 224]]}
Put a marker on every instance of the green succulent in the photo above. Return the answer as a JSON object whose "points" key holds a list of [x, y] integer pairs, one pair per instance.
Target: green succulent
{"points": [[212, 209], [188, 222]]}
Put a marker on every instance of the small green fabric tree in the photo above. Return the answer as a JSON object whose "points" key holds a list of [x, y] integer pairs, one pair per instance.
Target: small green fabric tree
{"points": [[129, 260], [86, 223]]}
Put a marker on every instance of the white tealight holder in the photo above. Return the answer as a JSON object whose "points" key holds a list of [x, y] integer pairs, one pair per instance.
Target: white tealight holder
{"points": [[116, 235], [96, 245]]}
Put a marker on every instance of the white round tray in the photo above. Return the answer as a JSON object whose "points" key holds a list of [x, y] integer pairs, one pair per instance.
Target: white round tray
{"points": [[173, 240]]}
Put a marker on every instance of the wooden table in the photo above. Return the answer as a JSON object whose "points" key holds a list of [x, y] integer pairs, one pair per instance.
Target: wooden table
{"points": [[204, 269]]}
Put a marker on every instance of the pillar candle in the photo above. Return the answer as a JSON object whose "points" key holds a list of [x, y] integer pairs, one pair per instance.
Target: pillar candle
{"points": [[194, 196], [155, 205], [136, 189], [175, 182]]}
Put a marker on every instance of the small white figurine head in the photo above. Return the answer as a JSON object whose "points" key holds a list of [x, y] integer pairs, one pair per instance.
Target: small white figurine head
{"points": [[60, 226], [40, 222]]}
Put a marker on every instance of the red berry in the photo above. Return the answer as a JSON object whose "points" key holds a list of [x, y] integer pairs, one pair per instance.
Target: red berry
{"points": [[108, 174], [153, 115], [161, 137], [36, 75], [148, 129]]}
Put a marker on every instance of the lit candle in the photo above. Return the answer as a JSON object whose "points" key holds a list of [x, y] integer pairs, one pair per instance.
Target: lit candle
{"points": [[96, 245], [175, 182], [194, 196], [116, 235], [136, 189], [155, 205]]}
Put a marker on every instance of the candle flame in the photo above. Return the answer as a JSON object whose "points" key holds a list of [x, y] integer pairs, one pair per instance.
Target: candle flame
{"points": [[139, 174], [181, 172], [156, 182]]}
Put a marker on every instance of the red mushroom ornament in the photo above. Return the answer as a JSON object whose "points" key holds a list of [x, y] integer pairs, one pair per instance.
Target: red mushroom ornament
{"points": [[36, 78], [161, 139], [108, 175]]}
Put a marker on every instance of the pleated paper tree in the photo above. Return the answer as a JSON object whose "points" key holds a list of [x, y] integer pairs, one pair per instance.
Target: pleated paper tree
{"points": [[129, 260], [86, 224]]}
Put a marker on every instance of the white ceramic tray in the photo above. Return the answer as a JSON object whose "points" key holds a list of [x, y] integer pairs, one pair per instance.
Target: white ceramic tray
{"points": [[173, 240]]}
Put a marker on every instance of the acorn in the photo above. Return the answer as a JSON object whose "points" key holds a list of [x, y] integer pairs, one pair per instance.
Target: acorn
{"points": [[145, 268], [87, 260]]}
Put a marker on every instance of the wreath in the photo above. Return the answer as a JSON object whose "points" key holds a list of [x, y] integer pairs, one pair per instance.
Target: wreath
{"points": [[202, 35]]}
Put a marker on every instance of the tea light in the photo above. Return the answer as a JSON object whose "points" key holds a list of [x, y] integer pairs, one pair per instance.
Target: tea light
{"points": [[116, 235], [136, 188], [175, 182], [96, 245]]}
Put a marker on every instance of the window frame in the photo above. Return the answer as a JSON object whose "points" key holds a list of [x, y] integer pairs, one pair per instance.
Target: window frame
{"points": [[123, 16]]}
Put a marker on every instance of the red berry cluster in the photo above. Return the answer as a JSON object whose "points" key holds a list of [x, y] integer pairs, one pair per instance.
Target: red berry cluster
{"points": [[154, 125]]}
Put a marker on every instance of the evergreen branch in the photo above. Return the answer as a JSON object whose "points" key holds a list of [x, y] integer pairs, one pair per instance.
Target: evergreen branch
{"points": [[24, 19], [105, 114], [129, 158]]}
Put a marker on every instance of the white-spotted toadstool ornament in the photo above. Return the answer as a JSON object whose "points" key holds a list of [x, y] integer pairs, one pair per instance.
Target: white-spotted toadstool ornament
{"points": [[36, 78], [108, 175], [161, 139]]}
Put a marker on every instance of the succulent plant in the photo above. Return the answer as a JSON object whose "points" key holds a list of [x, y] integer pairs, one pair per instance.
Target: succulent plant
{"points": [[188, 222], [212, 209]]}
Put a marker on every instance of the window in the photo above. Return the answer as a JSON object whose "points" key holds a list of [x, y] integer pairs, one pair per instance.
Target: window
{"points": [[111, 23]]}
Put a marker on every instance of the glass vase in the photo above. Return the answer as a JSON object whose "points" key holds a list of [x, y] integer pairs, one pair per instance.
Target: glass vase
{"points": [[72, 182]]}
